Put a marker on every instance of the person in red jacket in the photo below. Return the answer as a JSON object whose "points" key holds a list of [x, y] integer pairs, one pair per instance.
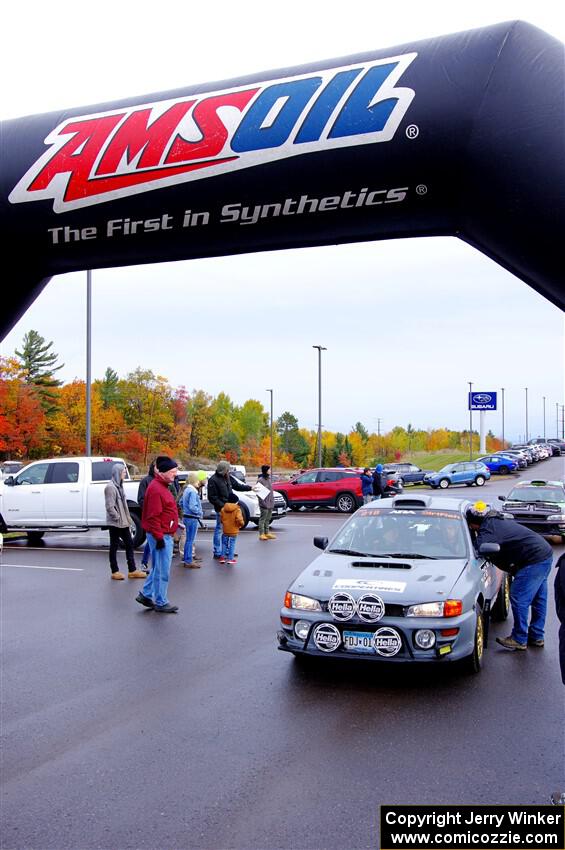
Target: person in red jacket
{"points": [[160, 519]]}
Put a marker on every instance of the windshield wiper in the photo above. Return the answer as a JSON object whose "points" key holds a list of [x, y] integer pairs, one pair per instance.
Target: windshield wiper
{"points": [[404, 555], [347, 552]]}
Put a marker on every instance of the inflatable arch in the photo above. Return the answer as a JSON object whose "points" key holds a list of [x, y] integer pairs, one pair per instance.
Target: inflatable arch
{"points": [[461, 135]]}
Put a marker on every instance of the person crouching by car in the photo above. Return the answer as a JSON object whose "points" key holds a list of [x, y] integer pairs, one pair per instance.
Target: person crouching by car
{"points": [[220, 487], [118, 520], [160, 519], [232, 521], [528, 558], [191, 514], [266, 505]]}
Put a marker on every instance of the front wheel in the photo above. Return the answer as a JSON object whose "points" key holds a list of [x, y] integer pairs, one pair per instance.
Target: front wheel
{"points": [[245, 514], [444, 483], [136, 531], [480, 480], [503, 470], [474, 662], [345, 503]]}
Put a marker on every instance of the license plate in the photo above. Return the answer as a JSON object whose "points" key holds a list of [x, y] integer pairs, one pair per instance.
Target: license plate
{"points": [[358, 642]]}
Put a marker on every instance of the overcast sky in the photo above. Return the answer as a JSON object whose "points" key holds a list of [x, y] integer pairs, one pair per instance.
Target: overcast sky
{"points": [[406, 323]]}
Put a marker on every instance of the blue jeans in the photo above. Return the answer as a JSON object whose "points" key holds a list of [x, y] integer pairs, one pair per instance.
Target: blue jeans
{"points": [[191, 526], [146, 554], [217, 544], [529, 590], [228, 546], [157, 581]]}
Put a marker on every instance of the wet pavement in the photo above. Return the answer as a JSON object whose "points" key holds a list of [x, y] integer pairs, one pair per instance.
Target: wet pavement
{"points": [[126, 729]]}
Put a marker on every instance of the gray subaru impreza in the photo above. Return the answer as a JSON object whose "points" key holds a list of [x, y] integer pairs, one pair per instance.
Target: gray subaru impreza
{"points": [[401, 581]]}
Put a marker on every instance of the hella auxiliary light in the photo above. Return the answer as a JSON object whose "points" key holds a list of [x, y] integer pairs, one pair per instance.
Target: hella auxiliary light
{"points": [[301, 629], [446, 608], [303, 603]]}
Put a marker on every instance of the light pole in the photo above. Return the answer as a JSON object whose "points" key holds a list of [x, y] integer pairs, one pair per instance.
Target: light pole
{"points": [[544, 419], [88, 360], [271, 461], [503, 443], [526, 440], [470, 421], [320, 349], [557, 419]]}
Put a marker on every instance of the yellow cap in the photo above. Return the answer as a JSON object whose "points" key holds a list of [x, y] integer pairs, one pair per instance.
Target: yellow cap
{"points": [[480, 507]]}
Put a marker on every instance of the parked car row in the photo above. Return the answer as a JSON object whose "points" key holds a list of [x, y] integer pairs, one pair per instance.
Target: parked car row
{"points": [[335, 487]]}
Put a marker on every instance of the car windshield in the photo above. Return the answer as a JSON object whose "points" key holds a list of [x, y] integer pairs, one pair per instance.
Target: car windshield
{"points": [[385, 532], [537, 494]]}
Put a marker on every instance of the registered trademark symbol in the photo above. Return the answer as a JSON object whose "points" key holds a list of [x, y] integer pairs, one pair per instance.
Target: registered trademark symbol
{"points": [[421, 189], [412, 131]]}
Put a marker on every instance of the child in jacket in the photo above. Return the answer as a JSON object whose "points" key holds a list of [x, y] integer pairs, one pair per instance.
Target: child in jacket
{"points": [[232, 520]]}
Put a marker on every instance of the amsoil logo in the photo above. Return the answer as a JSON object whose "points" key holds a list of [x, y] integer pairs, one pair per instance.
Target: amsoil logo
{"points": [[97, 158]]}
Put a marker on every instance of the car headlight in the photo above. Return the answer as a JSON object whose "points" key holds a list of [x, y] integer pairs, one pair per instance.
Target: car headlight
{"points": [[301, 629], [448, 608], [304, 603], [556, 518], [425, 638]]}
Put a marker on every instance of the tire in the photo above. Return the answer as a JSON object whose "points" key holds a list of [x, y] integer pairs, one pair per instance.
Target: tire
{"points": [[503, 470], [444, 483], [346, 503], [34, 537], [136, 531], [501, 607], [480, 480], [474, 662], [400, 483], [468, 484], [245, 514]]}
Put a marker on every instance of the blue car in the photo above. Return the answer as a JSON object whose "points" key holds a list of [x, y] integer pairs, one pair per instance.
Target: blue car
{"points": [[468, 472], [502, 464]]}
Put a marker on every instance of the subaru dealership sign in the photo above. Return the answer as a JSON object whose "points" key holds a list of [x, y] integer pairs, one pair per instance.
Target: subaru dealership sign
{"points": [[482, 401]]}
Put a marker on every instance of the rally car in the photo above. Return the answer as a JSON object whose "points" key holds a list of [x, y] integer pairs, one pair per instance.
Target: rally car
{"points": [[400, 581]]}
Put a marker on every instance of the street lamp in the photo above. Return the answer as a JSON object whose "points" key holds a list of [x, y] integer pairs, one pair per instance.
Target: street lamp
{"points": [[526, 440], [320, 349], [544, 419], [503, 443], [270, 391], [470, 422]]}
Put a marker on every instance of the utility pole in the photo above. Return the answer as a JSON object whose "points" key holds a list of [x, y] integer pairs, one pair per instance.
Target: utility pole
{"points": [[470, 422], [544, 419], [503, 443], [526, 440], [88, 361], [320, 349], [270, 391]]}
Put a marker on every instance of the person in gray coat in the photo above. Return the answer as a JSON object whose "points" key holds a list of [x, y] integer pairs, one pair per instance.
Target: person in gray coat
{"points": [[118, 520], [266, 505]]}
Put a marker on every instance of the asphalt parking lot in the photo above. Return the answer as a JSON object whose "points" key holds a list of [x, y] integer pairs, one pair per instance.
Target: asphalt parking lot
{"points": [[125, 729]]}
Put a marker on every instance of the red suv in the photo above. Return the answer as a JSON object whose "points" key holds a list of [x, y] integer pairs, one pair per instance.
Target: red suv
{"points": [[335, 487]]}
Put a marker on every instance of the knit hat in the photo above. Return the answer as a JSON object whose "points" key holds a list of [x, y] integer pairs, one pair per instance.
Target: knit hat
{"points": [[223, 467], [379, 467], [477, 513], [265, 469], [164, 463]]}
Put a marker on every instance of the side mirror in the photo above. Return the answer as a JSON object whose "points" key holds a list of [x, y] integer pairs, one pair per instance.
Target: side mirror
{"points": [[9, 481], [489, 548], [502, 498], [321, 542], [294, 482]]}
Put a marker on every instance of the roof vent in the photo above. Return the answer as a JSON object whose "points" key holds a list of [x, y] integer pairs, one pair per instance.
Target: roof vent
{"points": [[409, 503]]}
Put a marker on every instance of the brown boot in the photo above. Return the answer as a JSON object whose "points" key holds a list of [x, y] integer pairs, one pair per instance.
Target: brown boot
{"points": [[118, 576], [271, 536], [137, 574], [263, 537]]}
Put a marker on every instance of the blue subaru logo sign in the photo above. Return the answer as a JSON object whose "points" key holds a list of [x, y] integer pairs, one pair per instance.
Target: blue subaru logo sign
{"points": [[482, 401]]}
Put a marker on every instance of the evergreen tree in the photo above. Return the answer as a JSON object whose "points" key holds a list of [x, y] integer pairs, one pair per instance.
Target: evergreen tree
{"points": [[109, 392], [39, 363]]}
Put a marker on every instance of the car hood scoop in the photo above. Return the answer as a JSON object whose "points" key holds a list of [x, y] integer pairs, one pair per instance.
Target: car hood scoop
{"points": [[381, 565]]}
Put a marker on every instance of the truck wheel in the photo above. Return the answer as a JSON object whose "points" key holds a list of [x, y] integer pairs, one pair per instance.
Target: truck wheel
{"points": [[136, 531], [33, 537], [245, 514]]}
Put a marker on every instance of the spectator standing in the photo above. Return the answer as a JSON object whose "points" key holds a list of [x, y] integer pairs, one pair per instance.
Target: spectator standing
{"points": [[266, 505], [232, 520], [378, 482], [366, 485], [528, 558], [191, 515], [160, 520], [220, 488], [118, 520]]}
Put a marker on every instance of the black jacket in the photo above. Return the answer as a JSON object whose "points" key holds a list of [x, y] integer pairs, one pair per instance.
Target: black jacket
{"points": [[143, 485], [379, 484], [519, 546], [220, 489]]}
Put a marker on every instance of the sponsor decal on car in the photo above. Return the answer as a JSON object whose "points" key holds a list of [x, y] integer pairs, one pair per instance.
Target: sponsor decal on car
{"points": [[326, 637], [369, 584], [387, 642], [342, 606]]}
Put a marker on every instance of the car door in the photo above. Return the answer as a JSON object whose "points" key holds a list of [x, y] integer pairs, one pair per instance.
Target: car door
{"points": [[63, 493], [461, 473], [327, 485], [303, 489], [23, 500]]}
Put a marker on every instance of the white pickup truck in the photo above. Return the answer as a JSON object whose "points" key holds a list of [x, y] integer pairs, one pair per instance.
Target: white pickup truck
{"points": [[63, 494]]}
